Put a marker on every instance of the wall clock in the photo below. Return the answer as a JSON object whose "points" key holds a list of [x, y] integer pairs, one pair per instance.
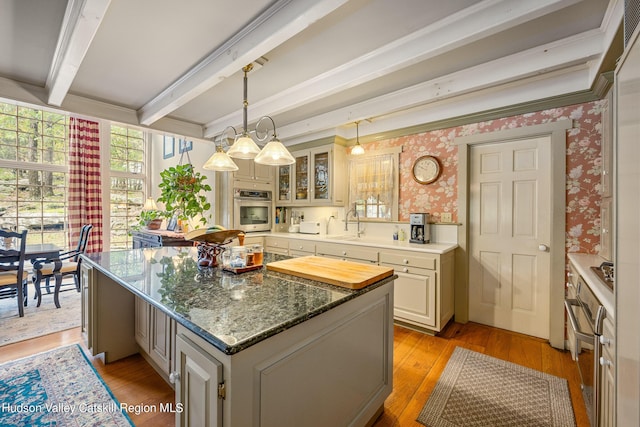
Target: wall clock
{"points": [[426, 169]]}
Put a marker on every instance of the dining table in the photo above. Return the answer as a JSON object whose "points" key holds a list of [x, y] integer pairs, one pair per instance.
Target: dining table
{"points": [[51, 252]]}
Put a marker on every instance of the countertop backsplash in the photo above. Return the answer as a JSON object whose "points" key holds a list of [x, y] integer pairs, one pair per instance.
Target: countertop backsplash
{"points": [[440, 232]]}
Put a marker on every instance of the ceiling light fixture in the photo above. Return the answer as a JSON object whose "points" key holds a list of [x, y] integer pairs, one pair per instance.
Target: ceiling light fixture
{"points": [[274, 153], [220, 161], [244, 147], [357, 149]]}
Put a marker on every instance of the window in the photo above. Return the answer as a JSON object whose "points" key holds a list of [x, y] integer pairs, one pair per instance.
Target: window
{"points": [[373, 184], [33, 175], [33, 171], [127, 182]]}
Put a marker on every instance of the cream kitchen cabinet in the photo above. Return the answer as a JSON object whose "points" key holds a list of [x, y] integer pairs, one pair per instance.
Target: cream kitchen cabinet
{"points": [[276, 245], [153, 332], [268, 383], [252, 173], [199, 385], [607, 375], [423, 292], [355, 253], [317, 178], [300, 248], [104, 329]]}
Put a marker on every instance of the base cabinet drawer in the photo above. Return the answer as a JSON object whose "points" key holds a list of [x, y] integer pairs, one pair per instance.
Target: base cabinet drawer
{"points": [[347, 252], [277, 245]]}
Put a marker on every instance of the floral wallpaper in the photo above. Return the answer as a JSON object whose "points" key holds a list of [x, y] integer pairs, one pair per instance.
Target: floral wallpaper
{"points": [[583, 168]]}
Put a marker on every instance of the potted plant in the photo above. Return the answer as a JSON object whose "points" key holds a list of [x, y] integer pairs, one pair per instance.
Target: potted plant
{"points": [[182, 191], [151, 219]]}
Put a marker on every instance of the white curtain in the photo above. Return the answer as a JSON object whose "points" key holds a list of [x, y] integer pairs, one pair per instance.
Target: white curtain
{"points": [[371, 185]]}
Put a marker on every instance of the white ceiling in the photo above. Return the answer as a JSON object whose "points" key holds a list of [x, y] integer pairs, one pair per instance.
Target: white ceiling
{"points": [[176, 65]]}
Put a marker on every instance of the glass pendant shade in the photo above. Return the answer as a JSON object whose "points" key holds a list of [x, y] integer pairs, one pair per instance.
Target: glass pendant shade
{"points": [[220, 161], [357, 149], [244, 148], [275, 154]]}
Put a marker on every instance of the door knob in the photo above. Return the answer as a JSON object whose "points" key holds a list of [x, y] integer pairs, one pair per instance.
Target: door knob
{"points": [[543, 248]]}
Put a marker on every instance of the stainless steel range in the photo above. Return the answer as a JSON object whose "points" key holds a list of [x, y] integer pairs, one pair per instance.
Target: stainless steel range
{"points": [[586, 314]]}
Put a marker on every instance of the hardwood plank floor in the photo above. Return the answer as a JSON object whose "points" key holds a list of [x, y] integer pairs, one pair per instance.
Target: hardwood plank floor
{"points": [[419, 359]]}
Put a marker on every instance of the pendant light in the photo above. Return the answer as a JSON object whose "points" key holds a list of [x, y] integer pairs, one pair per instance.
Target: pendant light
{"points": [[244, 147], [357, 150], [274, 153], [220, 161]]}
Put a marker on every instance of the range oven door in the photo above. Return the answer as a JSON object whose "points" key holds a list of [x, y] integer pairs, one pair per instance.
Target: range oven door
{"points": [[586, 353]]}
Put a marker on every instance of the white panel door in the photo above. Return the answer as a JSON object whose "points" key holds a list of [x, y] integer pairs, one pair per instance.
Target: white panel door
{"points": [[509, 207]]}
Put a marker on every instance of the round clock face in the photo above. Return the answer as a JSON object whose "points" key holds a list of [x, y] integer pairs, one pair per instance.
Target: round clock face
{"points": [[426, 169]]}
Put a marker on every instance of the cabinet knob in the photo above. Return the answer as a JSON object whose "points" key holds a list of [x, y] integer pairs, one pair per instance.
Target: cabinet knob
{"points": [[543, 248], [405, 270], [344, 253], [405, 261], [605, 362], [604, 340], [174, 377], [300, 247]]}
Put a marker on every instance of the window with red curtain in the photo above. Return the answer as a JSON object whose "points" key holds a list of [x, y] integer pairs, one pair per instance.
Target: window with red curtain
{"points": [[85, 184]]}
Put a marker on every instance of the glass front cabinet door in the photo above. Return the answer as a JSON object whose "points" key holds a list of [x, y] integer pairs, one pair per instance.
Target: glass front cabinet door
{"points": [[318, 177], [301, 178], [284, 183]]}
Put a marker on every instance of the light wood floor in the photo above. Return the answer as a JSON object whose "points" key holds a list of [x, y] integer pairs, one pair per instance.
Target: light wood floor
{"points": [[419, 360]]}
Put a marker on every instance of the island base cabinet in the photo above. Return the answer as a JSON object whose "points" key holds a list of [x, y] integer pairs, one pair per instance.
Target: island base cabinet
{"points": [[332, 370], [153, 331], [108, 316], [197, 385], [350, 367]]}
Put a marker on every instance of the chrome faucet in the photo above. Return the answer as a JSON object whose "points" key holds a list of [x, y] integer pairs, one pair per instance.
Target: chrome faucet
{"points": [[346, 218]]}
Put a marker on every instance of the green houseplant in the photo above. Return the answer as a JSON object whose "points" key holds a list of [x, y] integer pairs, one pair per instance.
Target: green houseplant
{"points": [[150, 219], [182, 191]]}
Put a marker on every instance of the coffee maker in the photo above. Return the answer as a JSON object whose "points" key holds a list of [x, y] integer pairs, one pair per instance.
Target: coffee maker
{"points": [[419, 223]]}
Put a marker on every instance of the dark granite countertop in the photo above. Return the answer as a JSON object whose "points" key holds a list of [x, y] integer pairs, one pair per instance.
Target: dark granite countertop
{"points": [[232, 312]]}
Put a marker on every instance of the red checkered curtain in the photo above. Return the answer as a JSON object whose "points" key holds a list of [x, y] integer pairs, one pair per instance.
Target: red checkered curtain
{"points": [[85, 186]]}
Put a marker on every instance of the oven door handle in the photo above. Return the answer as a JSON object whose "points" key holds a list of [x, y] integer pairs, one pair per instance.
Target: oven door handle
{"points": [[568, 304]]}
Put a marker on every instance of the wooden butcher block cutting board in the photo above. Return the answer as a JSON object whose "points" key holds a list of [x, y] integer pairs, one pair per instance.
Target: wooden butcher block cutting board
{"points": [[347, 274]]}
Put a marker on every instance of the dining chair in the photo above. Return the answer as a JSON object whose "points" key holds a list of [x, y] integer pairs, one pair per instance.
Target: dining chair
{"points": [[12, 272], [44, 268]]}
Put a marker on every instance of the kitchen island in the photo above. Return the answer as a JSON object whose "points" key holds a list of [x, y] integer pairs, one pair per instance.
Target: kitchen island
{"points": [[258, 348]]}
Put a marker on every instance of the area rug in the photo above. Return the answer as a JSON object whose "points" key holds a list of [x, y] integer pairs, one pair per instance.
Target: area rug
{"points": [[478, 390], [38, 321], [59, 387]]}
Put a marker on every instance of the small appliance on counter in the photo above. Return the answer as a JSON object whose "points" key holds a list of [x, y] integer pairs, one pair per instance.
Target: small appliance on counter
{"points": [[310, 227], [420, 232]]}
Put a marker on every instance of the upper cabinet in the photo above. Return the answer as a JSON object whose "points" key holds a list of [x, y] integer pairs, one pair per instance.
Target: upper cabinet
{"points": [[318, 177], [606, 181], [250, 171], [607, 148]]}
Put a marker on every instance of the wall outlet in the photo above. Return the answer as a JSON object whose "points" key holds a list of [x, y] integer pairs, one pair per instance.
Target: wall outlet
{"points": [[446, 217]]}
